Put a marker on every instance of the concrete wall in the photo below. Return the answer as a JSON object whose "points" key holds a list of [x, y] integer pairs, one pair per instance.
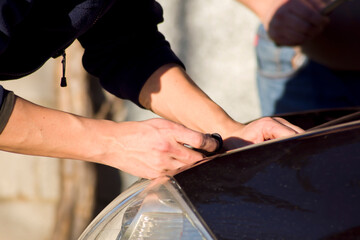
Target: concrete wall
{"points": [[213, 38], [215, 41]]}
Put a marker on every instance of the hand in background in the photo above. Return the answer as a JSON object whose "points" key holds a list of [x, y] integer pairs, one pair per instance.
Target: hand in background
{"points": [[294, 22]]}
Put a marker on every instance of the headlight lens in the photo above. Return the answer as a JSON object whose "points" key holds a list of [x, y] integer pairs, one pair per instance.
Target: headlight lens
{"points": [[151, 210]]}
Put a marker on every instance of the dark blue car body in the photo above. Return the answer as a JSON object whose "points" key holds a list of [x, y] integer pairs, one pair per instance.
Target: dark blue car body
{"points": [[303, 187]]}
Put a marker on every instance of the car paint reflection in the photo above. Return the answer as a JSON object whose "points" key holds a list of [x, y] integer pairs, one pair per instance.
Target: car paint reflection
{"points": [[306, 187]]}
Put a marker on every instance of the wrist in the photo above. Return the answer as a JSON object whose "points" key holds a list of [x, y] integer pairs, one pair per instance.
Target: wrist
{"points": [[228, 128], [100, 138]]}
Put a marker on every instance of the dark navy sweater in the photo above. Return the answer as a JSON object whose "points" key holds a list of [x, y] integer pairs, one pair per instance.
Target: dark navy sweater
{"points": [[123, 46]]}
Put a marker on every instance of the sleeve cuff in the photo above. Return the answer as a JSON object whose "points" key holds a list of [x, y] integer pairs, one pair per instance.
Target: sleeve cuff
{"points": [[6, 108]]}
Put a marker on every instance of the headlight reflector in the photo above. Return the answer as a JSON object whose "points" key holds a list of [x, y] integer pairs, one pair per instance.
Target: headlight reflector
{"points": [[151, 210]]}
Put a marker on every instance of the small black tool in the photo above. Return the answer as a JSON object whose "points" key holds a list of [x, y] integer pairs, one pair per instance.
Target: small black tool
{"points": [[220, 144]]}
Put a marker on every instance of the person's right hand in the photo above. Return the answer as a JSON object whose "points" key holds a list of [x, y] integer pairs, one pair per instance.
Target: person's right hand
{"points": [[154, 147], [292, 22], [147, 149]]}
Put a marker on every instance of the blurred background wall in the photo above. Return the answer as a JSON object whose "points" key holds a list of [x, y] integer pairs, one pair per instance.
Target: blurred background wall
{"points": [[214, 39]]}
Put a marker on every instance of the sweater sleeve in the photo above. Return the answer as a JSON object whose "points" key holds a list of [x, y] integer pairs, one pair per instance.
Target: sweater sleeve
{"points": [[12, 13], [7, 102], [125, 47]]}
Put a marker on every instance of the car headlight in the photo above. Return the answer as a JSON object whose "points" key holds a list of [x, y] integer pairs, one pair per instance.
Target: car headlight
{"points": [[155, 209]]}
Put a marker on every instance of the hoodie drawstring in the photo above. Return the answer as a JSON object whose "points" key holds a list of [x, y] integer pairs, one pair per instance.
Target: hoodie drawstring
{"points": [[63, 78]]}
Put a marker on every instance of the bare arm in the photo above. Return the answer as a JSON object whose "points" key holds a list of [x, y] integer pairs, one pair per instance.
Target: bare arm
{"points": [[172, 94], [146, 149]]}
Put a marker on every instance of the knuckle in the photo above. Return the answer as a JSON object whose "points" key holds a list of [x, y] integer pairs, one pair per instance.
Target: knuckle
{"points": [[163, 147], [188, 155], [266, 119], [160, 167], [198, 140], [157, 163]]}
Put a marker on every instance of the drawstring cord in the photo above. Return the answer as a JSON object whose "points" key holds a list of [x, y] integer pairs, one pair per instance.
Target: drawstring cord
{"points": [[63, 78]]}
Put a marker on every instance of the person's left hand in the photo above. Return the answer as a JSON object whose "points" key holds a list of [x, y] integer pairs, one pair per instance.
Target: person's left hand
{"points": [[292, 23], [260, 130]]}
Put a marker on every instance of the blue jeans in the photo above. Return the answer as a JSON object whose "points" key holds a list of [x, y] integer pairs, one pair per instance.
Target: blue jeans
{"points": [[286, 86]]}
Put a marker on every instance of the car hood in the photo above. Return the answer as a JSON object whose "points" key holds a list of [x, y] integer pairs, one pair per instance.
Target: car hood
{"points": [[303, 187]]}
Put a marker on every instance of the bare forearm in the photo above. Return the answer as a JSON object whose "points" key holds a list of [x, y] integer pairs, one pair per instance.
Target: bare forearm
{"points": [[147, 149], [171, 94], [36, 130]]}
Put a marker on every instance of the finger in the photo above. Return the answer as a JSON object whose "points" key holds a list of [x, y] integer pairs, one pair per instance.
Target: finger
{"points": [[276, 129], [185, 156], [292, 27], [207, 143], [304, 27], [297, 24], [195, 139], [288, 29], [318, 5], [174, 159], [307, 12], [289, 125], [292, 38]]}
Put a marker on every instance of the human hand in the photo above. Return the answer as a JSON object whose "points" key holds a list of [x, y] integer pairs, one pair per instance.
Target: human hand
{"points": [[260, 130], [293, 22], [155, 147], [146, 149]]}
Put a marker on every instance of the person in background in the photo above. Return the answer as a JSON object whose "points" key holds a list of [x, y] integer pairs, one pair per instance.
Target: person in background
{"points": [[132, 59], [307, 55]]}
